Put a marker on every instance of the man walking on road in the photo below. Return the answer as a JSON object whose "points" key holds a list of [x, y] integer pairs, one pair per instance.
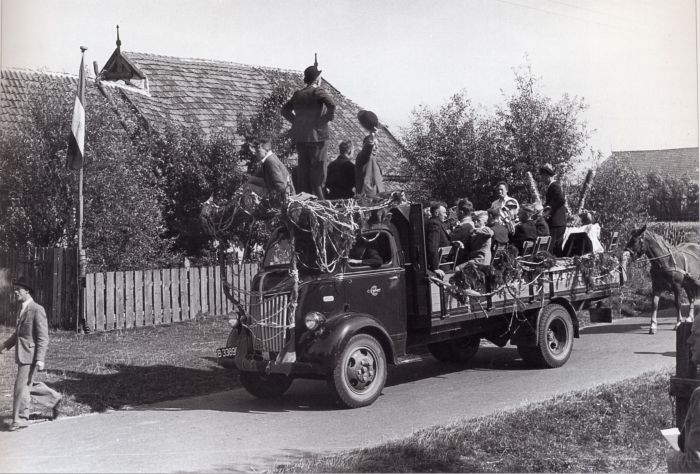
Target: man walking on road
{"points": [[31, 340], [309, 111]]}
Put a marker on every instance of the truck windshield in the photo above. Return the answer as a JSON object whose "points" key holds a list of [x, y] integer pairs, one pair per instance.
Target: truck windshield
{"points": [[279, 251]]}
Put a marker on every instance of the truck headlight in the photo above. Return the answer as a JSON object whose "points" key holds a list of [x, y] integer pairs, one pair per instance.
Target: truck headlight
{"points": [[314, 320]]}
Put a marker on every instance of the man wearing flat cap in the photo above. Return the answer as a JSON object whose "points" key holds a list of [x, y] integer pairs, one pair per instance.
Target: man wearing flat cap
{"points": [[555, 208], [309, 111], [31, 340]]}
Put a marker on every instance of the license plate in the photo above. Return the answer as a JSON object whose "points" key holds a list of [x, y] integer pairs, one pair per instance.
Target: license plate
{"points": [[226, 352]]}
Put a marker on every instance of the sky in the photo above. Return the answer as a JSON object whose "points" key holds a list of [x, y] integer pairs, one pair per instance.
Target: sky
{"points": [[634, 62]]}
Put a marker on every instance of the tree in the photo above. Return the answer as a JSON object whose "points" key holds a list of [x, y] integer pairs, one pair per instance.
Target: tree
{"points": [[192, 167], [44, 194], [456, 152], [619, 197], [671, 198], [534, 130], [446, 150]]}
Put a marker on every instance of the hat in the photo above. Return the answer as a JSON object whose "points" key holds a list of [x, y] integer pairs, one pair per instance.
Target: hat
{"points": [[547, 169], [368, 119], [23, 283], [311, 73]]}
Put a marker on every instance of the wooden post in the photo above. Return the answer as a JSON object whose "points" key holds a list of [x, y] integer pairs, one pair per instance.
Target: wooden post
{"points": [[686, 378]]}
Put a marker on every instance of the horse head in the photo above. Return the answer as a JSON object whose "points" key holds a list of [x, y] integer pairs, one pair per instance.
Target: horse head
{"points": [[636, 245]]}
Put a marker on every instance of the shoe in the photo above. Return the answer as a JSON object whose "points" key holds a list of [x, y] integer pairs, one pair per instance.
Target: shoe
{"points": [[17, 426], [56, 410]]}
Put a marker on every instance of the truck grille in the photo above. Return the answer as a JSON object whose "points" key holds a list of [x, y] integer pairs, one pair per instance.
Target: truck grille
{"points": [[269, 320]]}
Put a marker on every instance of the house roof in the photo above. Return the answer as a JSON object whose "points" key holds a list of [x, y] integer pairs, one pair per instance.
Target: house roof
{"points": [[197, 92], [16, 86], [211, 94], [677, 162]]}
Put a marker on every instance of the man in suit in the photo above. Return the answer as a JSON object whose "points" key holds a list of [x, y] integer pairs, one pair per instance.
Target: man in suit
{"points": [[309, 110], [555, 208], [340, 183], [270, 178], [31, 340], [526, 229], [436, 236]]}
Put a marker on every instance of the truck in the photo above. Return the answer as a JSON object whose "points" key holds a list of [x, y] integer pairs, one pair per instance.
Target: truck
{"points": [[347, 323]]}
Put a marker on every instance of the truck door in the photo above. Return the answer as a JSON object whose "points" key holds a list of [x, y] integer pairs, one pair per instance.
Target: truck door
{"points": [[379, 289]]}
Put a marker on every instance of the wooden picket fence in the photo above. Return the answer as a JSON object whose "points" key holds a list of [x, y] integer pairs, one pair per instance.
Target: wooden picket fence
{"points": [[120, 300], [54, 274]]}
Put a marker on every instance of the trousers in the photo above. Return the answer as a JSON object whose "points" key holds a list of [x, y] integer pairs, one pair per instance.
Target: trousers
{"points": [[26, 390], [313, 165]]}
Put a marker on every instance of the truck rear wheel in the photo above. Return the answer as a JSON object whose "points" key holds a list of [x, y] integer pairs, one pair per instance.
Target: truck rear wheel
{"points": [[265, 385], [455, 350], [555, 336], [360, 372]]}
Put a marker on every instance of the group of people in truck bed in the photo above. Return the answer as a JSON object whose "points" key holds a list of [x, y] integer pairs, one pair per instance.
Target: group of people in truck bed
{"points": [[475, 234]]}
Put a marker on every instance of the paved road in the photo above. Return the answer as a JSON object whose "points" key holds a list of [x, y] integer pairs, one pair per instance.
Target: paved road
{"points": [[230, 431]]}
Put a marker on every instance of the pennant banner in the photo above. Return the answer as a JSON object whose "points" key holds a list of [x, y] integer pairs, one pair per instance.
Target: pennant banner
{"points": [[76, 141]]}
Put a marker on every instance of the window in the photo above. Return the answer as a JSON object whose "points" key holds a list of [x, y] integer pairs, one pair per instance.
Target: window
{"points": [[373, 249]]}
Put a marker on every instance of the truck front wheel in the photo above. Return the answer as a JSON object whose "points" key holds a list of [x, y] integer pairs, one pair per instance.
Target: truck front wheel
{"points": [[265, 386], [555, 336], [360, 372], [455, 350]]}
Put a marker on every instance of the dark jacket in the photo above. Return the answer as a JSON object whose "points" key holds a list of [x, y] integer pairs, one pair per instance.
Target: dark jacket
{"points": [[500, 233], [340, 179], [435, 237], [368, 175], [309, 111], [524, 231], [555, 200], [274, 174], [541, 225]]}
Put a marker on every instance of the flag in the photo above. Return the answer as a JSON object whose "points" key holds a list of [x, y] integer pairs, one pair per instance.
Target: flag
{"points": [[76, 141]]}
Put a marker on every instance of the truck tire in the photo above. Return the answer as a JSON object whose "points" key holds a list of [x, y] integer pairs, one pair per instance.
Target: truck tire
{"points": [[360, 371], [455, 350], [555, 335], [265, 385]]}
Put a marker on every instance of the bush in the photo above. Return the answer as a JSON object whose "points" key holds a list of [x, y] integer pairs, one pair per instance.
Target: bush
{"points": [[122, 221]]}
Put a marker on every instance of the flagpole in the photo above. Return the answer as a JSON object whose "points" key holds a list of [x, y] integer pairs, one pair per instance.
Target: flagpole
{"points": [[81, 252]]}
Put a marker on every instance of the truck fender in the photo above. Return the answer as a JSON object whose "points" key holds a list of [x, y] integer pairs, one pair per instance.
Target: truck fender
{"points": [[324, 346], [525, 336]]}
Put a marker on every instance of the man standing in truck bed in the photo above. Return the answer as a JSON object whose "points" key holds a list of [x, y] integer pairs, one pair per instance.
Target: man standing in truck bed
{"points": [[309, 111]]}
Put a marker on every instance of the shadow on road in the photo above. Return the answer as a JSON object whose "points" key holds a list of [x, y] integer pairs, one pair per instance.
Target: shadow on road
{"points": [[664, 354], [123, 385]]}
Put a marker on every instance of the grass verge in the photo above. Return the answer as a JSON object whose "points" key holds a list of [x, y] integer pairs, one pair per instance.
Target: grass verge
{"points": [[117, 369], [610, 428]]}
